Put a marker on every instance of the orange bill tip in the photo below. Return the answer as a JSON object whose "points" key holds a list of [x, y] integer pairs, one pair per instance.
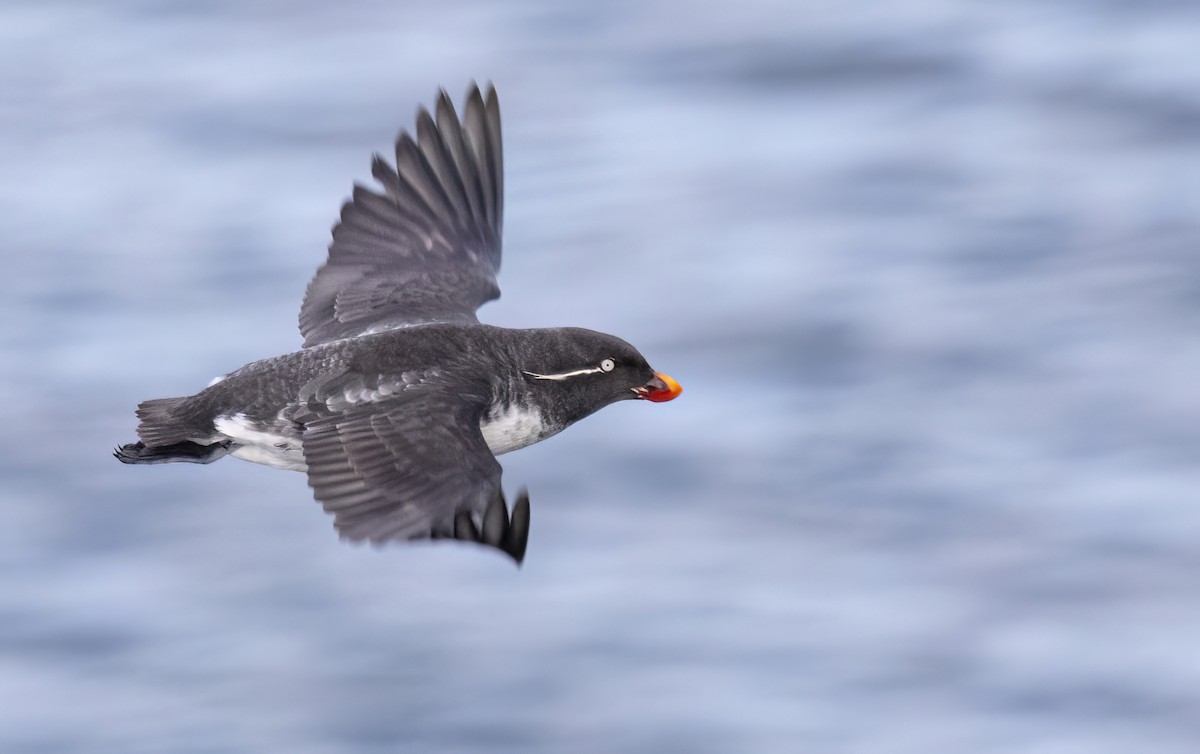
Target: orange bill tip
{"points": [[671, 391]]}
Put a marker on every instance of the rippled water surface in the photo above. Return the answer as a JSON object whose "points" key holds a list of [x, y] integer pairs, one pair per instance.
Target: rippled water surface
{"points": [[929, 274]]}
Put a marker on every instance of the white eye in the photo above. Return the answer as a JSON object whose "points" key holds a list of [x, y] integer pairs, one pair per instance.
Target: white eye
{"points": [[607, 365]]}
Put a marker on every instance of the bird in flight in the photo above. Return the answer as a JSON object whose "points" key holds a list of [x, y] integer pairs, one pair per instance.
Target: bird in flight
{"points": [[400, 399]]}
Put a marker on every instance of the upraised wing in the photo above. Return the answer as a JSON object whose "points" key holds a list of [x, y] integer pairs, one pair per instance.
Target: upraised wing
{"points": [[427, 249]]}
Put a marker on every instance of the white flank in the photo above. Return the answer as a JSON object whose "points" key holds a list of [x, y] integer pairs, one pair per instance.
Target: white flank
{"points": [[512, 429], [216, 379], [257, 446]]}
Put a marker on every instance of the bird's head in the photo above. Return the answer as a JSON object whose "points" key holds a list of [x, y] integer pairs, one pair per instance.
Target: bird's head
{"points": [[590, 370]]}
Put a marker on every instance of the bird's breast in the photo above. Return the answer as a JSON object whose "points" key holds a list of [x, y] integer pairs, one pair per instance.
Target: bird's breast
{"points": [[513, 426]]}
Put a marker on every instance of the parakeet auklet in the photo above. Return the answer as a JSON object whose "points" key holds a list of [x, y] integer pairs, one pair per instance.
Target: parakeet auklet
{"points": [[400, 400]]}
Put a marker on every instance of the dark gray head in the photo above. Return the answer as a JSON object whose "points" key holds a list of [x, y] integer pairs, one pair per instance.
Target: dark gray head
{"points": [[580, 371]]}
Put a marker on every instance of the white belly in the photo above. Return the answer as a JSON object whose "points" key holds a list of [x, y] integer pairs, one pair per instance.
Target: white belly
{"points": [[258, 446], [512, 429], [503, 431]]}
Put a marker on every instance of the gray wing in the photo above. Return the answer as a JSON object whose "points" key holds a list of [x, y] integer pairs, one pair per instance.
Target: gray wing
{"points": [[427, 249], [410, 467]]}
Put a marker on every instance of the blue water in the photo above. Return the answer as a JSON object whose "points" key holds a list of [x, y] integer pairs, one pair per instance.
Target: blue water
{"points": [[928, 271]]}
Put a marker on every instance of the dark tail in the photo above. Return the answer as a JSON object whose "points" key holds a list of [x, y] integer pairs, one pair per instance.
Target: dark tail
{"points": [[159, 423], [164, 437]]}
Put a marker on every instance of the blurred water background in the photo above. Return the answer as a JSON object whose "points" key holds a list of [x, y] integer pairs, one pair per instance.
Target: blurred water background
{"points": [[929, 272]]}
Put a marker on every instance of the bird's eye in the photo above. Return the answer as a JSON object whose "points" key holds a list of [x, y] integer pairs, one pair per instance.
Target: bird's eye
{"points": [[607, 365]]}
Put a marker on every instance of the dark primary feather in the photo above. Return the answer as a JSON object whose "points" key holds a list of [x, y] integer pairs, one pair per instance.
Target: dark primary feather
{"points": [[508, 535], [428, 248]]}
